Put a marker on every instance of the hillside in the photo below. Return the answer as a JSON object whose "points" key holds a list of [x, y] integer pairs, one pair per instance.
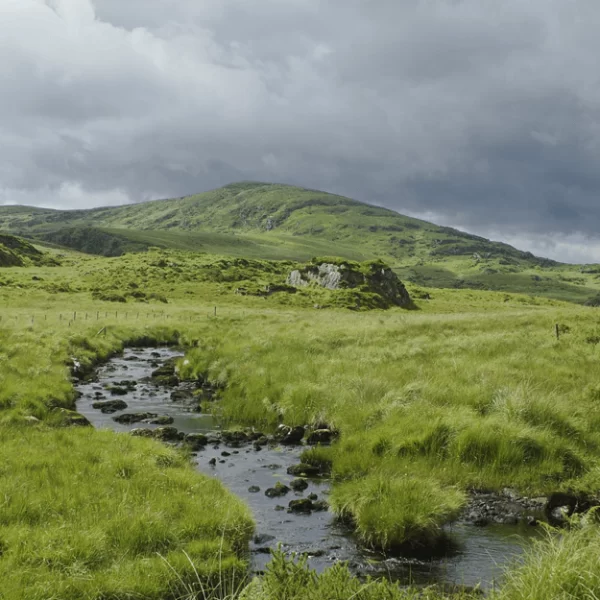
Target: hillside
{"points": [[273, 221], [15, 252]]}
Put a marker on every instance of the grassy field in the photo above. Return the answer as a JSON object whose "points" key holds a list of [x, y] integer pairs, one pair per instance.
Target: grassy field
{"points": [[472, 390]]}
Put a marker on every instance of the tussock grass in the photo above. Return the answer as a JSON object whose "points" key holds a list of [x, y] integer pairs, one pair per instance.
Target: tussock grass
{"points": [[564, 566], [89, 514]]}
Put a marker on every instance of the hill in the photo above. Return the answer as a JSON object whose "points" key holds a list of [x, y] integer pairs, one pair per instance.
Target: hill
{"points": [[274, 221]]}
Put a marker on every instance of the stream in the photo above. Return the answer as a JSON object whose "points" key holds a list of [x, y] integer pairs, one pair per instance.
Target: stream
{"points": [[482, 552]]}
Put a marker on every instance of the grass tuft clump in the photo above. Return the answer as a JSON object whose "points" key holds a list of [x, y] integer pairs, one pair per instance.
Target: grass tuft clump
{"points": [[397, 513]]}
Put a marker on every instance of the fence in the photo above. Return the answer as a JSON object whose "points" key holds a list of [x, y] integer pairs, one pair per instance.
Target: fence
{"points": [[69, 318]]}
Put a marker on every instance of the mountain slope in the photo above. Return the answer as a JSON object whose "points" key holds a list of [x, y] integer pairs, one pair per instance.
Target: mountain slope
{"points": [[265, 220]]}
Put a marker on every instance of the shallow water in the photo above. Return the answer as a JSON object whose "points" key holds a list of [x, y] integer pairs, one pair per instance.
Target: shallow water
{"points": [[482, 551]]}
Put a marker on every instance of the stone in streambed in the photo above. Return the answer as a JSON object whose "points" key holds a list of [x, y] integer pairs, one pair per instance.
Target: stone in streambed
{"points": [[196, 441], [299, 485], [142, 432], [290, 435], [277, 491], [303, 470], [130, 418], [109, 407], [69, 418], [234, 439], [254, 489], [304, 505], [263, 538], [161, 420], [167, 434], [165, 375], [184, 396]]}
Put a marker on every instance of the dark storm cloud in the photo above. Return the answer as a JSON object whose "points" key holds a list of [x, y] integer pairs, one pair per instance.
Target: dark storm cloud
{"points": [[474, 113]]}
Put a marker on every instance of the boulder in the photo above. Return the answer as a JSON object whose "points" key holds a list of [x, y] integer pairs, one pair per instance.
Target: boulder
{"points": [[108, 407], [299, 485], [319, 436], [373, 276], [290, 435], [196, 441], [166, 434], [303, 505], [277, 491], [130, 418]]}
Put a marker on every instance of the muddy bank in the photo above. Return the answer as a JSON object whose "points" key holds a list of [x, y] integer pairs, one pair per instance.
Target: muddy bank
{"points": [[123, 396]]}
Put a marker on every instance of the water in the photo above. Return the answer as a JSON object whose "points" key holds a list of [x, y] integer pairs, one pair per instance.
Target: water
{"points": [[482, 552]]}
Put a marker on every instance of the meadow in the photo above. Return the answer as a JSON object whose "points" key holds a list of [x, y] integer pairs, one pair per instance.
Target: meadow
{"points": [[474, 390]]}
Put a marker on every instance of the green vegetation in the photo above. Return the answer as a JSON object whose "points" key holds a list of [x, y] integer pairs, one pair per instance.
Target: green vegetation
{"points": [[281, 222], [294, 580], [474, 390], [425, 402], [89, 514], [15, 252], [564, 565]]}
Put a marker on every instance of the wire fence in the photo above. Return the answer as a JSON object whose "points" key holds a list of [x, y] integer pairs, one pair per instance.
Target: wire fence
{"points": [[70, 318]]}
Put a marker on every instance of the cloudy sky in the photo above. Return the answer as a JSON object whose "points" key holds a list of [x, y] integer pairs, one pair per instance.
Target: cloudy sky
{"points": [[482, 114]]}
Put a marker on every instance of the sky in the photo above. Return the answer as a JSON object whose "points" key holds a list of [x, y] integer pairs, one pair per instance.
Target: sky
{"points": [[479, 114]]}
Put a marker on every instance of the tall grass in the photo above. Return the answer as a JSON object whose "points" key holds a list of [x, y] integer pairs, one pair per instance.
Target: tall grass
{"points": [[564, 566], [90, 514], [470, 400]]}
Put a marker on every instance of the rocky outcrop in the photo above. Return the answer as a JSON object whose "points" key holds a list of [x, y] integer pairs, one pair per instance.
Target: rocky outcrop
{"points": [[372, 277]]}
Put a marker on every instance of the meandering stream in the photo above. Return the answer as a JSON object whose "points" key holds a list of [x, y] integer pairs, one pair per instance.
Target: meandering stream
{"points": [[483, 551]]}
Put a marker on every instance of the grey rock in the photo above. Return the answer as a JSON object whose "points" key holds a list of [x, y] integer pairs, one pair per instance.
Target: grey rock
{"points": [[109, 407], [299, 485]]}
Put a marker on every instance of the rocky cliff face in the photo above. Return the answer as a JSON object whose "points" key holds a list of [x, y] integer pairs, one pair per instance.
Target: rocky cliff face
{"points": [[372, 277]]}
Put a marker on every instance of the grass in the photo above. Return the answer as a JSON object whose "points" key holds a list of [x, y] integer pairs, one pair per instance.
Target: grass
{"points": [[94, 514], [473, 390], [90, 514], [564, 566]]}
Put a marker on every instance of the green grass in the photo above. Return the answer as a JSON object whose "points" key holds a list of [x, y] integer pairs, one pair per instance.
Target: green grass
{"points": [[95, 514], [89, 514], [473, 390], [563, 566]]}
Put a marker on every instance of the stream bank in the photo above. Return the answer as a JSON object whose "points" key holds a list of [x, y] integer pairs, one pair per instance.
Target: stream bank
{"points": [[491, 532]]}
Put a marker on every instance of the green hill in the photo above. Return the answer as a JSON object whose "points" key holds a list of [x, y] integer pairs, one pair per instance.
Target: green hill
{"points": [[274, 221]]}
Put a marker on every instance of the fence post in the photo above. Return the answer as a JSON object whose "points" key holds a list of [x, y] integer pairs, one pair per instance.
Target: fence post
{"points": [[557, 331]]}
